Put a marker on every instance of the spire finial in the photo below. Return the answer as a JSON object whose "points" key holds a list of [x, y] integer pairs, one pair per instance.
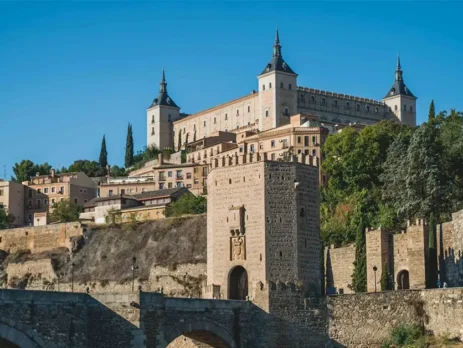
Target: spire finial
{"points": [[163, 84], [276, 45], [398, 69], [398, 60]]}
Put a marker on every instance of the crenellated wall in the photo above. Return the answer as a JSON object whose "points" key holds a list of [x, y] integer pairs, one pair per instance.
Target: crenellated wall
{"points": [[339, 267]]}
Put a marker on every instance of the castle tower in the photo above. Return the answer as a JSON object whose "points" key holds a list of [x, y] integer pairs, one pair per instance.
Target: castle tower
{"points": [[277, 91], [263, 227], [401, 100], [159, 117]]}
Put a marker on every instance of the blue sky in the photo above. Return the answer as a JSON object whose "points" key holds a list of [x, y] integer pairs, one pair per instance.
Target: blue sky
{"points": [[73, 71]]}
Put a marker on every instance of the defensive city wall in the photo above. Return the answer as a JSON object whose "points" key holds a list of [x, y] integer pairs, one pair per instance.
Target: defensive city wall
{"points": [[54, 319]]}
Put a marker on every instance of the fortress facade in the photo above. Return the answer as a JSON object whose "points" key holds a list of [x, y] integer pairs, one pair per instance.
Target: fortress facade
{"points": [[277, 98]]}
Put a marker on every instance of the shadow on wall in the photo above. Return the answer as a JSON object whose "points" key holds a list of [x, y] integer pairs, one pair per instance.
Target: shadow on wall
{"points": [[452, 270]]}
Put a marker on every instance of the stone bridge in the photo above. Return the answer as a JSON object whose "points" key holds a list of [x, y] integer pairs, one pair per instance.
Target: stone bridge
{"points": [[139, 320]]}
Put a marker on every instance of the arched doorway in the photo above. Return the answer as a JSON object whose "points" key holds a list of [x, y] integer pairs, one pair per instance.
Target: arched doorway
{"points": [[11, 337], [238, 284], [403, 280]]}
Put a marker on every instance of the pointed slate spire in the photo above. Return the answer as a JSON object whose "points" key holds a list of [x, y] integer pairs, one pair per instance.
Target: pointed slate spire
{"points": [[163, 98], [277, 63], [277, 46], [399, 87], [163, 84]]}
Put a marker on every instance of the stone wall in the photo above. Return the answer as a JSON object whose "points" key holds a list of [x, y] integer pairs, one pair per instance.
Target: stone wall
{"points": [[40, 238], [366, 320], [450, 249], [339, 267]]}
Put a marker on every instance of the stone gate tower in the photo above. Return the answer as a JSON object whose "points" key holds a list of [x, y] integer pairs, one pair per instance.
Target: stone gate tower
{"points": [[159, 117], [263, 226]]}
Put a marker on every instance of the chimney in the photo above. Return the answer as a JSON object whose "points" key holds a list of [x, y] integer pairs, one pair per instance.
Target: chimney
{"points": [[52, 173], [160, 159]]}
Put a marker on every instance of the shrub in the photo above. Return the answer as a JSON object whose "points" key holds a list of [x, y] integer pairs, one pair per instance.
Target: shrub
{"points": [[187, 204]]}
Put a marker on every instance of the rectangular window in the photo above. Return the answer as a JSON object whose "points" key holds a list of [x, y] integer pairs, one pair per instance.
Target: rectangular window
{"points": [[272, 143], [161, 185], [204, 171], [179, 184], [62, 190], [272, 157], [75, 200], [52, 201], [196, 170], [30, 193], [38, 204], [169, 185], [266, 113], [1, 192], [45, 202], [169, 174], [252, 148], [188, 185], [299, 140], [188, 175], [314, 152], [29, 204], [53, 190], [306, 140], [204, 123], [196, 182], [314, 139], [179, 175], [110, 193], [39, 190]]}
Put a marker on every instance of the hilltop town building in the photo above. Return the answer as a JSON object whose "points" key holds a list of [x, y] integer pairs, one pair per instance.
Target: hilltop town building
{"points": [[12, 200], [42, 191], [277, 98]]}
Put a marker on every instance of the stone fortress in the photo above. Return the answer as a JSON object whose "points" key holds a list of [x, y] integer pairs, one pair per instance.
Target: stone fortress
{"points": [[277, 98]]}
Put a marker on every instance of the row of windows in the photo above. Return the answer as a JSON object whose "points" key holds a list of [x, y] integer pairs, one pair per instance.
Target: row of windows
{"points": [[46, 190], [281, 86], [153, 121], [405, 108], [38, 203]]}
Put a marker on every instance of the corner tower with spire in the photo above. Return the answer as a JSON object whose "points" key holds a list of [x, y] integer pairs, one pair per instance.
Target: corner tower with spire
{"points": [[400, 99], [160, 115], [277, 90]]}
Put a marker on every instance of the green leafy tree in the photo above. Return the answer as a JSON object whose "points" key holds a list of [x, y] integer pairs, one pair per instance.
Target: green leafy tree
{"points": [[103, 160], [129, 147], [432, 253], [187, 204], [90, 168], [117, 171], [359, 277], [385, 277], [65, 211], [6, 219], [432, 112], [26, 169]]}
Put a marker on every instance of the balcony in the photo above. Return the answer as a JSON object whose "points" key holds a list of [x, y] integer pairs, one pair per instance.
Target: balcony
{"points": [[162, 178], [179, 177]]}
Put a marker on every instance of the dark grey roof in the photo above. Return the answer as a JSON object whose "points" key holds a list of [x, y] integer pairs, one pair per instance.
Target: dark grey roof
{"points": [[399, 87], [163, 97], [277, 63], [94, 201]]}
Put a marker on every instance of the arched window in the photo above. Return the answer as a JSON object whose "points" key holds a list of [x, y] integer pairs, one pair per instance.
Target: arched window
{"points": [[347, 105], [368, 108], [249, 108]]}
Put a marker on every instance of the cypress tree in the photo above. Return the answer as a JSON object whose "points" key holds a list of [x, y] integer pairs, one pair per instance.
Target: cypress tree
{"points": [[129, 147], [179, 140], [432, 253], [432, 112], [385, 278], [103, 154], [359, 278]]}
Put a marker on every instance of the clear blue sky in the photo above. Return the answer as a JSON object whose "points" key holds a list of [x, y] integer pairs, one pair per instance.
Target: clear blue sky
{"points": [[73, 71]]}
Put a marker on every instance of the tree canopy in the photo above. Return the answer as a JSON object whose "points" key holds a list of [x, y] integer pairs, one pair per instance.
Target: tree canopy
{"points": [[65, 211], [6, 219], [187, 204], [26, 169], [103, 159], [129, 147]]}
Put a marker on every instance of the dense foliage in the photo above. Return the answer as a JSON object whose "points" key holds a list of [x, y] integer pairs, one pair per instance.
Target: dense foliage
{"points": [[187, 204], [65, 211], [387, 173], [5, 219], [26, 168]]}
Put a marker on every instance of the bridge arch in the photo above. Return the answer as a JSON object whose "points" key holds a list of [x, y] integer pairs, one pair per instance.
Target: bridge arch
{"points": [[205, 332], [16, 338]]}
